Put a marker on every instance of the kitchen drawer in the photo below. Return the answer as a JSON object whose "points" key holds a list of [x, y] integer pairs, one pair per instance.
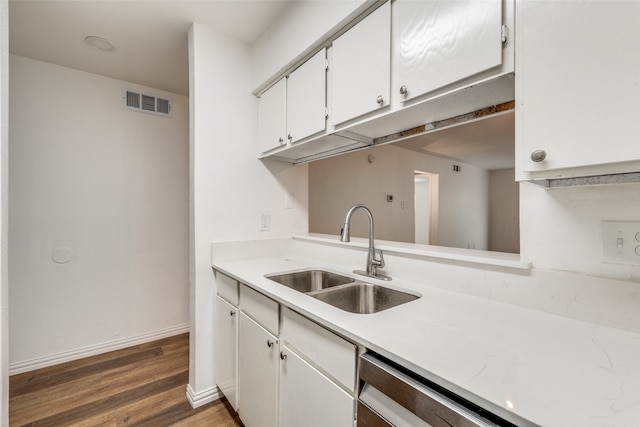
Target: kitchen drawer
{"points": [[330, 353], [260, 308], [227, 288]]}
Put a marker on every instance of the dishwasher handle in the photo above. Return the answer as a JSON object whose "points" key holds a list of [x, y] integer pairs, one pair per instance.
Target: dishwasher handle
{"points": [[425, 403]]}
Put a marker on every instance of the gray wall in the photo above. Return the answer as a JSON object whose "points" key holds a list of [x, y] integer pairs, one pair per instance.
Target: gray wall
{"points": [[339, 182], [504, 211]]}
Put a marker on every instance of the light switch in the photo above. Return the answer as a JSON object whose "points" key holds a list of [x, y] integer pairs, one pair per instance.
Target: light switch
{"points": [[265, 221], [620, 244], [288, 201]]}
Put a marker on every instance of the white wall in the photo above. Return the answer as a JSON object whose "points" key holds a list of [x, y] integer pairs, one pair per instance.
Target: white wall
{"points": [[230, 187], [504, 211], [112, 186], [4, 282], [561, 228], [337, 183]]}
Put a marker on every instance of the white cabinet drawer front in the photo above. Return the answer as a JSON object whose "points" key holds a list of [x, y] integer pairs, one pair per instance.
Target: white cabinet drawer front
{"points": [[227, 288], [332, 354], [310, 399], [262, 309]]}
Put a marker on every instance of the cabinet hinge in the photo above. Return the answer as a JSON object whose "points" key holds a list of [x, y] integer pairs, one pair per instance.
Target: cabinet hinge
{"points": [[504, 34]]}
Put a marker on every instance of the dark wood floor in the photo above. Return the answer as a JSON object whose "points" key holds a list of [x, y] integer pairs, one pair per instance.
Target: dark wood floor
{"points": [[143, 385]]}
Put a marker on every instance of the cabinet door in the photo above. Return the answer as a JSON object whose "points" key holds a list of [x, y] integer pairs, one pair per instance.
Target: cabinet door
{"points": [[437, 43], [272, 117], [306, 95], [360, 67], [578, 85], [335, 355], [257, 375], [226, 349], [308, 398]]}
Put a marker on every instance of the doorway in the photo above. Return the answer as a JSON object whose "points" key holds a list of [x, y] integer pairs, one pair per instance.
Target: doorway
{"points": [[426, 207]]}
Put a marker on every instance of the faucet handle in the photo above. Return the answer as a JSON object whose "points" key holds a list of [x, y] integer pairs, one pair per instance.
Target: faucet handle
{"points": [[378, 262], [345, 235]]}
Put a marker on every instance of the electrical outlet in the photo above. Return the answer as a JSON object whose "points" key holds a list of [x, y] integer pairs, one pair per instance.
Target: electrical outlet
{"points": [[265, 221], [621, 242]]}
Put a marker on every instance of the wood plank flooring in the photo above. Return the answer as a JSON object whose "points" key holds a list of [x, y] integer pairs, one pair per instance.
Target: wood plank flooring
{"points": [[143, 385]]}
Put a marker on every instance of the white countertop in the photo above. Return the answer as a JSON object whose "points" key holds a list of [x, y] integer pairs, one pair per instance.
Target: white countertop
{"points": [[547, 369]]}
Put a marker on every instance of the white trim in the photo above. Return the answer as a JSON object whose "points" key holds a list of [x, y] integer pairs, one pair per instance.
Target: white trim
{"points": [[92, 350], [202, 398]]}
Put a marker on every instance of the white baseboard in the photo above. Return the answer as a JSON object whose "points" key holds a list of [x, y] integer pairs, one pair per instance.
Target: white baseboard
{"points": [[92, 350], [203, 397]]}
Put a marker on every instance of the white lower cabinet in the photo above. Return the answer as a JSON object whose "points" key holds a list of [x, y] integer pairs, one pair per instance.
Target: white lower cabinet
{"points": [[308, 398], [290, 370], [257, 374], [226, 349], [317, 374]]}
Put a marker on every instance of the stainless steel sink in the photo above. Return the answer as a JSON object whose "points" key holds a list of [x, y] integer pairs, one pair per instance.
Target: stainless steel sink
{"points": [[363, 298], [310, 280], [343, 292]]}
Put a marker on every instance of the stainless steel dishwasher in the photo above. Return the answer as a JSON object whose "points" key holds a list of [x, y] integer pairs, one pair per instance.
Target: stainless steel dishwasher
{"points": [[393, 396]]}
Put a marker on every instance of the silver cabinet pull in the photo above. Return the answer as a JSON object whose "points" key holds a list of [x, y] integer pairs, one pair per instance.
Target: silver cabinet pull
{"points": [[289, 137], [232, 313], [538, 155], [269, 343], [280, 140], [380, 100], [282, 355], [403, 90]]}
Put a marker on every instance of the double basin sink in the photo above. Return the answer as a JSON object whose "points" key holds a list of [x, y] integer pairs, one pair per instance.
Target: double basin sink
{"points": [[343, 292]]}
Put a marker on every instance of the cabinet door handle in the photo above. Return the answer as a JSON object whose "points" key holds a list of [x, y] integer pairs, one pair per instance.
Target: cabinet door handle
{"points": [[280, 140], [282, 355], [232, 313], [269, 343], [290, 137], [538, 155], [380, 100], [403, 90]]}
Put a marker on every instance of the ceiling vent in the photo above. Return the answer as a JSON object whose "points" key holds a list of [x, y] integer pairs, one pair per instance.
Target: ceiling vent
{"points": [[146, 103]]}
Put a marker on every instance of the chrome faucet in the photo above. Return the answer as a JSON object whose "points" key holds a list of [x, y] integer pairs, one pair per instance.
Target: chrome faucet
{"points": [[373, 263]]}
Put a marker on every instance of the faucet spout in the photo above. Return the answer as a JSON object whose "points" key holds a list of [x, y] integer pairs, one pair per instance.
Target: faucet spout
{"points": [[375, 259]]}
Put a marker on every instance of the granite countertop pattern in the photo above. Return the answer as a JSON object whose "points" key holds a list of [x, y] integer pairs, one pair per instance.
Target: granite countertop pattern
{"points": [[546, 369]]}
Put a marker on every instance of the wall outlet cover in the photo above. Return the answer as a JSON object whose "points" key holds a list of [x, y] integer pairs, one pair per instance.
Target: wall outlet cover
{"points": [[621, 242]]}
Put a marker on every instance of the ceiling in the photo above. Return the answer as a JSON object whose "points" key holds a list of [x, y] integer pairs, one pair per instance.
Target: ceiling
{"points": [[150, 35], [488, 143]]}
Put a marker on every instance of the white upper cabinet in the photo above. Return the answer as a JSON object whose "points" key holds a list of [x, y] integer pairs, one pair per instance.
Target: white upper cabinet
{"points": [[295, 107], [577, 88], [437, 43], [360, 67], [306, 98], [272, 117]]}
